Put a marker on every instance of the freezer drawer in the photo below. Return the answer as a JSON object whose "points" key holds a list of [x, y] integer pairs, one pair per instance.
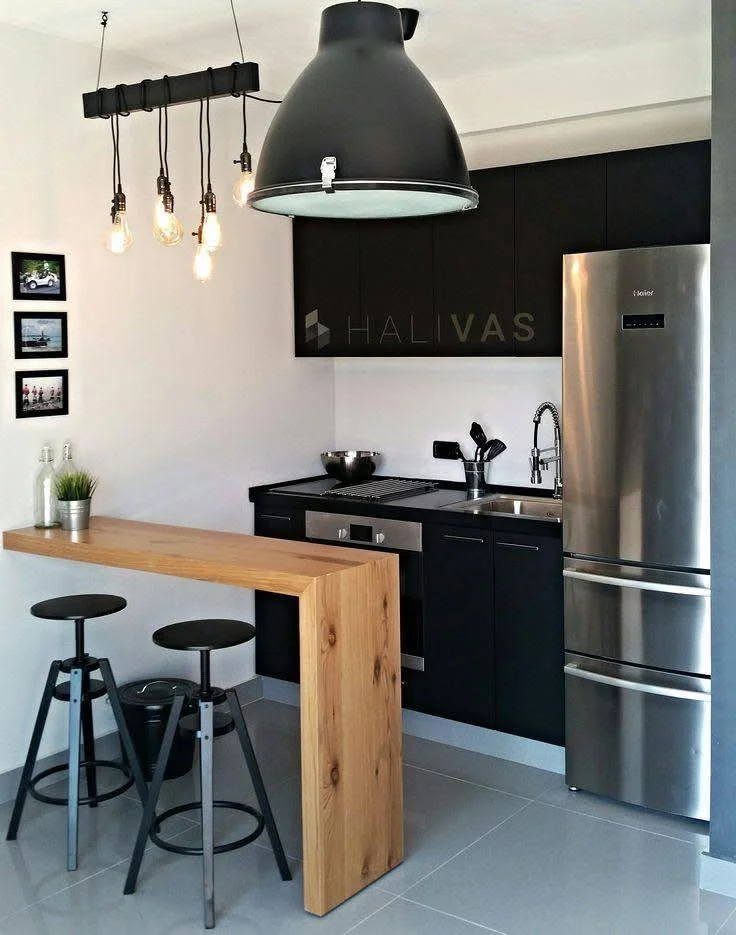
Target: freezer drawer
{"points": [[642, 616], [638, 736]]}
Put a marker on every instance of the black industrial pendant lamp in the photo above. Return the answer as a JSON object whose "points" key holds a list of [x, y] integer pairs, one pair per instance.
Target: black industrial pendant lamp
{"points": [[362, 133]]}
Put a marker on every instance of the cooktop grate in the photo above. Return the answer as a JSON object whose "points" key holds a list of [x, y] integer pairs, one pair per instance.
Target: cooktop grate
{"points": [[389, 488]]}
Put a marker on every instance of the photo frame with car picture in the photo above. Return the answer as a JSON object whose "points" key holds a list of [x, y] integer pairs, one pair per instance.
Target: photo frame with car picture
{"points": [[39, 277], [39, 335], [41, 393]]}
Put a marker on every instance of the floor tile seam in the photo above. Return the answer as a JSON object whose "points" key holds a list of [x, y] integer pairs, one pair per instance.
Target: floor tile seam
{"points": [[81, 882], [371, 914], [451, 915], [463, 849], [267, 847], [725, 922], [469, 782], [619, 824]]}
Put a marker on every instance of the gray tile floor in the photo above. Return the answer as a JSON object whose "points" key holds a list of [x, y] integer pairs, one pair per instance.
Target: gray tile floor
{"points": [[490, 846]]}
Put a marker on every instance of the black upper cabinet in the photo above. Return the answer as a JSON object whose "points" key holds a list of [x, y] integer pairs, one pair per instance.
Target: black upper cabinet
{"points": [[396, 286], [489, 281], [328, 318], [474, 271], [659, 196], [560, 208]]}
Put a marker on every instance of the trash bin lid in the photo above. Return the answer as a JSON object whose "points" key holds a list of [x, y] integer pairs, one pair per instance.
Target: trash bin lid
{"points": [[155, 694]]}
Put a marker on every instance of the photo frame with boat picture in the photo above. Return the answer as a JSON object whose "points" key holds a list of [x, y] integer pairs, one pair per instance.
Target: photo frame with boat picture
{"points": [[39, 277], [41, 393], [39, 335]]}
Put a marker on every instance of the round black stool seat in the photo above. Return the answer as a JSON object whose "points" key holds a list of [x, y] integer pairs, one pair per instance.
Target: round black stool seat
{"points": [[79, 607], [204, 635]]}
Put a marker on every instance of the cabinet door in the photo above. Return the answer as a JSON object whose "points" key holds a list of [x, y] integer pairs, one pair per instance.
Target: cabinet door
{"points": [[659, 196], [474, 271], [396, 286], [458, 623], [327, 317], [529, 636], [277, 615], [560, 208]]}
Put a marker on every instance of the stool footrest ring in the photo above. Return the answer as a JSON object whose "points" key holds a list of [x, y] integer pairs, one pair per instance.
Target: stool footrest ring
{"points": [[219, 848], [87, 800]]}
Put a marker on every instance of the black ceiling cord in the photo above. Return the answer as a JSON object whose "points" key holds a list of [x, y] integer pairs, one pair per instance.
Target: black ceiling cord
{"points": [[255, 97], [209, 133], [201, 170], [103, 23]]}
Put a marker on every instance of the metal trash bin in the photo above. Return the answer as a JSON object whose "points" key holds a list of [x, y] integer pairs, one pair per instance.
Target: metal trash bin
{"points": [[146, 706]]}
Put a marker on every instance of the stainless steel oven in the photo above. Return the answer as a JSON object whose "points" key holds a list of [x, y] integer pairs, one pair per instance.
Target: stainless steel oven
{"points": [[389, 535]]}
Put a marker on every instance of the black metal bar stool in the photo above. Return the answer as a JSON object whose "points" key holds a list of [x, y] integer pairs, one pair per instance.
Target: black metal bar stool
{"points": [[78, 692], [203, 636]]}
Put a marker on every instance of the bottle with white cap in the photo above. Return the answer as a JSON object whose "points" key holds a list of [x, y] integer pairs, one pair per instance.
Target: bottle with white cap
{"points": [[45, 509], [67, 464]]}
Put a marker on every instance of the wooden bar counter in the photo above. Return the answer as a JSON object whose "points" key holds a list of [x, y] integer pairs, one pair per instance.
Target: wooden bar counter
{"points": [[350, 675]]}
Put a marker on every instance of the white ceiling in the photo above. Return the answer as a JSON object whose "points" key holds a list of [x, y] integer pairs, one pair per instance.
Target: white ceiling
{"points": [[455, 38]]}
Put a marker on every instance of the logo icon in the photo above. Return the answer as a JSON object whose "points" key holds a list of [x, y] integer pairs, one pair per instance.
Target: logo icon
{"points": [[316, 334]]}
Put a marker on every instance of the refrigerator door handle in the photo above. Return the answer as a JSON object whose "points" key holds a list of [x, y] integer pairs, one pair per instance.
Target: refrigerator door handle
{"points": [[639, 583], [573, 669]]}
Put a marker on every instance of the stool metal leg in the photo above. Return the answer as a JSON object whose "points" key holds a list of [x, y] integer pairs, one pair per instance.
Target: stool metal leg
{"points": [[126, 742], [255, 775], [88, 741], [151, 798], [27, 774], [75, 715], [208, 828]]}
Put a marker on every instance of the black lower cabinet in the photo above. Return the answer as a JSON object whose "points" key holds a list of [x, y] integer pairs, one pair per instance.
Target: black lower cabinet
{"points": [[458, 623], [529, 639], [277, 616]]}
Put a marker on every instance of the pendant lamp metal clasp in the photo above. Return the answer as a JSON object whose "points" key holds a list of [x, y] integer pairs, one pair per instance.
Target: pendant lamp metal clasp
{"points": [[328, 168]]}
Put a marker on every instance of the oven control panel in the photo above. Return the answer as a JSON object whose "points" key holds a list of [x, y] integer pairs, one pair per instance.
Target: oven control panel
{"points": [[394, 535]]}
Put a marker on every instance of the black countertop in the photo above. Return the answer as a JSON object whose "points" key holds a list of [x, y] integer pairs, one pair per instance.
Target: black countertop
{"points": [[432, 505]]}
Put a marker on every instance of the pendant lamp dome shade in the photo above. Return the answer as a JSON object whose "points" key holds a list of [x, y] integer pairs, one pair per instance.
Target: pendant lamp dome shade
{"points": [[362, 133]]}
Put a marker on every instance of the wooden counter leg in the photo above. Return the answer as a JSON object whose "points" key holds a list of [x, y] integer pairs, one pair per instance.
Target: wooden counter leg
{"points": [[352, 795]]}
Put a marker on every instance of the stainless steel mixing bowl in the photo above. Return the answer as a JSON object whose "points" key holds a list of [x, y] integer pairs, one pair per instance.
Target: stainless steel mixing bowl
{"points": [[350, 466]]}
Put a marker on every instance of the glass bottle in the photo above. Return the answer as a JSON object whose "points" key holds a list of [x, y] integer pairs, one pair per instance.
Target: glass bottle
{"points": [[67, 465], [45, 510]]}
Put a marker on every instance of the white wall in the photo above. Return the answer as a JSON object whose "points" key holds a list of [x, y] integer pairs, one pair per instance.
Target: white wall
{"points": [[181, 394], [400, 406]]}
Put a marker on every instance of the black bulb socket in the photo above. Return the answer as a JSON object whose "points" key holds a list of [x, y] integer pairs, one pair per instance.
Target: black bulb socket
{"points": [[168, 200], [244, 161], [162, 184], [210, 202], [118, 203]]}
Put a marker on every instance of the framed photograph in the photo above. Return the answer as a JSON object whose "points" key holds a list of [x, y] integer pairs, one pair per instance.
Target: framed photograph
{"points": [[40, 335], [39, 276], [41, 393]]}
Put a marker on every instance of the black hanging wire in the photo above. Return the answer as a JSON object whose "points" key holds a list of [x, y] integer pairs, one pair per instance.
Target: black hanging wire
{"points": [[209, 148], [165, 163], [266, 100], [103, 23], [201, 167]]}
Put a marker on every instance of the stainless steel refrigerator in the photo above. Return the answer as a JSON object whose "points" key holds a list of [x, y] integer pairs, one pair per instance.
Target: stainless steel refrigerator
{"points": [[636, 525]]}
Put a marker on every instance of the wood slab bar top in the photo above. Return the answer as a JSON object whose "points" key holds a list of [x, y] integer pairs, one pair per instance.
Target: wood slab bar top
{"points": [[350, 670], [277, 565]]}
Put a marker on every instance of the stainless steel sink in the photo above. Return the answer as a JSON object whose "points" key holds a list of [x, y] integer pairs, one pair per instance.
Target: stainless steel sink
{"points": [[539, 508]]}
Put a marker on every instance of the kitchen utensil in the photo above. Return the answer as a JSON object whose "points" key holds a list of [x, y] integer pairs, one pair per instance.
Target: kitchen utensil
{"points": [[350, 466], [447, 451], [479, 437], [494, 449]]}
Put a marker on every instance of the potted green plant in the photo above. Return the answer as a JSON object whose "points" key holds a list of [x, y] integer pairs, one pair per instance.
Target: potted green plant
{"points": [[74, 491]]}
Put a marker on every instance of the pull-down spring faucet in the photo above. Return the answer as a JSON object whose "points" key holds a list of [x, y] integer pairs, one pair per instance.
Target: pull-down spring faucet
{"points": [[537, 462]]}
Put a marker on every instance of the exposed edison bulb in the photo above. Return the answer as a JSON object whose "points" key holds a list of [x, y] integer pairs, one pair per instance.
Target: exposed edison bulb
{"points": [[118, 238], [243, 188], [212, 232], [167, 228], [202, 263]]}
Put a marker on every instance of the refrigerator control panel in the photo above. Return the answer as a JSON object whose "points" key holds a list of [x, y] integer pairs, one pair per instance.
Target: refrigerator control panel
{"points": [[642, 321]]}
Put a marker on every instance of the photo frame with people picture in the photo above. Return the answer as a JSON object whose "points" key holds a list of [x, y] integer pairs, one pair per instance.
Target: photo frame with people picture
{"points": [[41, 393]]}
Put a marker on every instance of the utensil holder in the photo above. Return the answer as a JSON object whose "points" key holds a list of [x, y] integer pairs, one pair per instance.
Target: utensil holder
{"points": [[475, 478]]}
